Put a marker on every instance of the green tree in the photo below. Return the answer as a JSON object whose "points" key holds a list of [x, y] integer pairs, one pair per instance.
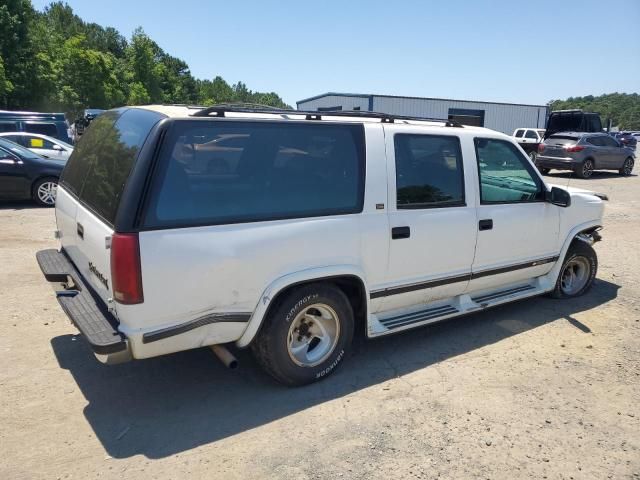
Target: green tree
{"points": [[622, 108]]}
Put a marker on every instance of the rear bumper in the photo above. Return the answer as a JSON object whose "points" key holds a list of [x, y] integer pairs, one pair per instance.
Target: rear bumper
{"points": [[85, 310], [556, 162]]}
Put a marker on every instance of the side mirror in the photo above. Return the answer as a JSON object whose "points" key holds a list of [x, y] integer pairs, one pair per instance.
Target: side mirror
{"points": [[57, 147], [558, 196]]}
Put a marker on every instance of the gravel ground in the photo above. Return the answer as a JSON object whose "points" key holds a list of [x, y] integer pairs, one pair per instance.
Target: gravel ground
{"points": [[536, 389]]}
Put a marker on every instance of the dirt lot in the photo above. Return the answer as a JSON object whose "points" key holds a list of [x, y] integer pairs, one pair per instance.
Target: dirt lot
{"points": [[537, 389]]}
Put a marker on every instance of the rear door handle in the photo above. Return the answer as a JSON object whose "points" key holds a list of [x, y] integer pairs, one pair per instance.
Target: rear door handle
{"points": [[80, 230], [400, 232], [486, 224]]}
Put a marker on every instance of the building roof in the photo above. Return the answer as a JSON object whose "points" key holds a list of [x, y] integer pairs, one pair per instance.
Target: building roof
{"points": [[368, 95]]}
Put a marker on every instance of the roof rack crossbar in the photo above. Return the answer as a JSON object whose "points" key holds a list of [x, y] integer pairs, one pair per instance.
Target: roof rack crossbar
{"points": [[220, 109]]}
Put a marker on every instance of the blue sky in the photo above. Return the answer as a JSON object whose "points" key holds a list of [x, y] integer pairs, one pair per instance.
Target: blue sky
{"points": [[476, 50]]}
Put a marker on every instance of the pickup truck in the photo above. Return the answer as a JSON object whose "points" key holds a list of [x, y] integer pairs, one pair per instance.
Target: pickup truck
{"points": [[288, 232]]}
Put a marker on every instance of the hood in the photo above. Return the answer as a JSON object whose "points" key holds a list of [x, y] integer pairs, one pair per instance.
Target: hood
{"points": [[581, 191]]}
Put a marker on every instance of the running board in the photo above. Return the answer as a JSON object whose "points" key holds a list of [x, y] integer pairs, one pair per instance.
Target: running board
{"points": [[492, 297], [454, 307], [392, 323]]}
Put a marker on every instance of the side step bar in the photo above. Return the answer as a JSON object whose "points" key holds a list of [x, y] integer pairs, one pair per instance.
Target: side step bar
{"points": [[416, 317], [482, 299]]}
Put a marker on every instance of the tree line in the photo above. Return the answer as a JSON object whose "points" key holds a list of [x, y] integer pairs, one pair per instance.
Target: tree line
{"points": [[54, 61], [622, 108]]}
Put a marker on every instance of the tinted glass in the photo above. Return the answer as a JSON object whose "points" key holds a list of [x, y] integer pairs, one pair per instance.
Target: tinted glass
{"points": [[101, 162], [519, 133], [428, 171], [610, 142], [42, 128], [216, 172], [8, 127], [593, 141], [531, 134], [506, 176]]}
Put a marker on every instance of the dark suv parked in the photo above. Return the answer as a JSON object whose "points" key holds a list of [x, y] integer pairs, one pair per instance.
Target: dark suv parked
{"points": [[583, 153], [572, 121], [24, 174]]}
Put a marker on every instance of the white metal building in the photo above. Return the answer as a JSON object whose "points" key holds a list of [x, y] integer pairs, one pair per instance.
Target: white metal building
{"points": [[503, 117]]}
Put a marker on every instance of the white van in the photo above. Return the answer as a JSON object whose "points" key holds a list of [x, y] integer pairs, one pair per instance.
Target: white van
{"points": [[285, 231]]}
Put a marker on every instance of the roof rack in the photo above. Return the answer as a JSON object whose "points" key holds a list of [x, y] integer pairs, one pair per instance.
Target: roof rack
{"points": [[220, 110]]}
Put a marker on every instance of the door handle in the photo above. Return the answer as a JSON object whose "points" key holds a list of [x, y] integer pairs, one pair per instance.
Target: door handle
{"points": [[80, 230], [486, 224], [400, 232]]}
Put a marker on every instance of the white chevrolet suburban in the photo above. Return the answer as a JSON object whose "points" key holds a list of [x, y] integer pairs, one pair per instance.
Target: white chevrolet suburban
{"points": [[286, 231]]}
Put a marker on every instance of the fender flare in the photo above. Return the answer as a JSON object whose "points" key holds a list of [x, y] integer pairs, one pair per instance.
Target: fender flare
{"points": [[280, 284], [572, 235]]}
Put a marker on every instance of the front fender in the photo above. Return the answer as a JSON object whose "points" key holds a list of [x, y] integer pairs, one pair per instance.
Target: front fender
{"points": [[289, 280], [555, 271]]}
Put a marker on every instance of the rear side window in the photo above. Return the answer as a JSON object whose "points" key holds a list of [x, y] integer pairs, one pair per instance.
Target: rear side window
{"points": [[217, 172], [102, 160], [519, 133], [428, 171], [8, 127], [42, 128]]}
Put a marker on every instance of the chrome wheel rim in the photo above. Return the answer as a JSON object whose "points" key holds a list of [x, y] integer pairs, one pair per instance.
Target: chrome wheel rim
{"points": [[587, 168], [47, 192], [313, 335], [628, 166], [575, 275], [532, 156]]}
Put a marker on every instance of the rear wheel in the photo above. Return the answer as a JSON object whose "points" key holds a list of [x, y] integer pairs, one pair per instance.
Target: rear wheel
{"points": [[544, 170], [44, 191], [578, 271], [627, 167], [307, 335], [533, 155], [586, 169]]}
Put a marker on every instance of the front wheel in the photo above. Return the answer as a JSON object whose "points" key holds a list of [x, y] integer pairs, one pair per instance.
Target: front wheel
{"points": [[44, 191], [627, 167], [586, 169], [543, 170], [307, 335], [578, 271]]}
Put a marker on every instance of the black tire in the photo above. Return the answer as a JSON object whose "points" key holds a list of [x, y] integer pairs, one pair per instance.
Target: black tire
{"points": [[579, 251], [627, 167], [271, 347], [585, 169], [533, 155], [543, 170], [38, 197]]}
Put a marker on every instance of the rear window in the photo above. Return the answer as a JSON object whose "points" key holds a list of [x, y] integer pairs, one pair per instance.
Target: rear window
{"points": [[102, 160], [216, 172]]}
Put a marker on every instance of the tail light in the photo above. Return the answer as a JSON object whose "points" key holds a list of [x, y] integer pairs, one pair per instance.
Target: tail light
{"points": [[126, 273], [575, 148], [541, 148]]}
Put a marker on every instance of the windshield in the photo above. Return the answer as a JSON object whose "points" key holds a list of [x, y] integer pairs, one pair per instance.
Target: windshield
{"points": [[18, 149]]}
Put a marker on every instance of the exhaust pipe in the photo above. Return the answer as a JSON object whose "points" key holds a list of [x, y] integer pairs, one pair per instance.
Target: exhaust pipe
{"points": [[225, 356]]}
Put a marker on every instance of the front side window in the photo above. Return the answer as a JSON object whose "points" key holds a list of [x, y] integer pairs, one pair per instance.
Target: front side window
{"points": [[428, 171], [8, 127], [505, 174], [519, 133], [219, 172]]}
